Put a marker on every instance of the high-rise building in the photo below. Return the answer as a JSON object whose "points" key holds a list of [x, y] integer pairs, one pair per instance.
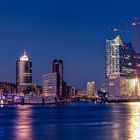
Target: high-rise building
{"points": [[120, 68], [58, 68], [120, 61], [23, 73], [50, 85], [91, 88]]}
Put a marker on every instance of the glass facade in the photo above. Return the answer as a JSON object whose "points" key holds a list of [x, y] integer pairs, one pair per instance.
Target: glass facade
{"points": [[50, 85], [120, 60], [23, 73]]}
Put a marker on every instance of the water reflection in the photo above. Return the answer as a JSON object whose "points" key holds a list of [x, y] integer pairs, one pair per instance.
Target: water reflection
{"points": [[108, 122], [23, 123], [134, 121], [1, 106], [126, 121], [117, 123]]}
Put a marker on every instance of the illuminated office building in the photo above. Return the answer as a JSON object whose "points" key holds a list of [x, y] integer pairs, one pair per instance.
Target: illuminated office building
{"points": [[120, 60], [120, 67], [50, 85], [91, 88], [23, 73]]}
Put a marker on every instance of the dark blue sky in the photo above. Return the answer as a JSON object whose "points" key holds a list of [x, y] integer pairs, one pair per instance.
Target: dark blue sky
{"points": [[72, 30]]}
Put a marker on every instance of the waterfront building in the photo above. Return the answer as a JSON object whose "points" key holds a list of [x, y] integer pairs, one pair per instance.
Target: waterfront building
{"points": [[120, 60], [102, 92], [23, 74], [7, 88], [58, 68], [81, 93], [65, 90], [121, 86], [50, 85], [36, 90], [70, 91], [120, 68], [91, 88]]}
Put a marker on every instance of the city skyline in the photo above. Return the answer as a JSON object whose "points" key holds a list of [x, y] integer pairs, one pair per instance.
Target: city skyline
{"points": [[72, 31], [67, 67]]}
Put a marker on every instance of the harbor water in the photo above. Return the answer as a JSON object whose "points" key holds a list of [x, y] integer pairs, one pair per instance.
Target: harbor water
{"points": [[73, 121]]}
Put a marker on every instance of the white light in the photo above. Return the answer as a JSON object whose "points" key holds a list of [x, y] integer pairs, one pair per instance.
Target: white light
{"points": [[134, 81], [134, 24], [115, 30], [24, 57], [1, 102]]}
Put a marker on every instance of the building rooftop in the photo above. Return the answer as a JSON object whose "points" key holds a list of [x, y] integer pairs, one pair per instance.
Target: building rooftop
{"points": [[24, 57], [117, 41]]}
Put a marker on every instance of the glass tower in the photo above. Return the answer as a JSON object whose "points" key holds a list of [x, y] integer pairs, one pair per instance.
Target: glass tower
{"points": [[23, 73], [120, 67], [50, 85], [120, 60]]}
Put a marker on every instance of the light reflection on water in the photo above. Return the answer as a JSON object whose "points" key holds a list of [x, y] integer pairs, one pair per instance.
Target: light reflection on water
{"points": [[126, 124], [23, 123], [78, 121], [134, 121]]}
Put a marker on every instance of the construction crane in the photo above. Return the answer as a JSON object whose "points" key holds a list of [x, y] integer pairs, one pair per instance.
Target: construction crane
{"points": [[134, 26], [115, 30]]}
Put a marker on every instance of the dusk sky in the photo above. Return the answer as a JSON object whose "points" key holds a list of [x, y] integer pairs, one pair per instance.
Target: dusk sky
{"points": [[72, 30]]}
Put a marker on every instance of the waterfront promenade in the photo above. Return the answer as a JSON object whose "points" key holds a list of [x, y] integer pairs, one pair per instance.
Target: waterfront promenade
{"points": [[40, 100]]}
